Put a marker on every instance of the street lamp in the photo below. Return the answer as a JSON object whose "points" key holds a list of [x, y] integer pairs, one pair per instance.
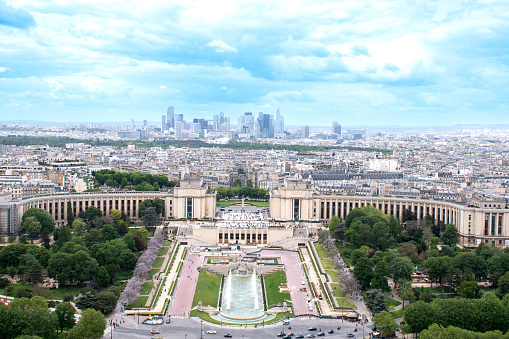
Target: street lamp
{"points": [[111, 329], [201, 329], [138, 311]]}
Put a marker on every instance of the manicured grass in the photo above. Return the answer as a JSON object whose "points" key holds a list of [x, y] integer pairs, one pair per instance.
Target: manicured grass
{"points": [[246, 202], [158, 263], [207, 289], [272, 283], [138, 303], [164, 251], [152, 272], [327, 264], [320, 250], [336, 289], [391, 302], [343, 303], [334, 276], [146, 287], [398, 313], [435, 289]]}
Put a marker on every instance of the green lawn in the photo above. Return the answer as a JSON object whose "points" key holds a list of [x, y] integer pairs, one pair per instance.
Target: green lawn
{"points": [[391, 302], [319, 249], [334, 276], [164, 250], [272, 283], [327, 264], [247, 202], [398, 313], [343, 303], [336, 289], [159, 262], [207, 289], [146, 287], [205, 316], [152, 272], [138, 303]]}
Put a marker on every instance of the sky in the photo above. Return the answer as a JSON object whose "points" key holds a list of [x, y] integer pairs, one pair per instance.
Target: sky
{"points": [[372, 63]]}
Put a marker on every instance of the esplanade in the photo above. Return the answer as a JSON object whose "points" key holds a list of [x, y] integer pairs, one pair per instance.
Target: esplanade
{"points": [[477, 220]]}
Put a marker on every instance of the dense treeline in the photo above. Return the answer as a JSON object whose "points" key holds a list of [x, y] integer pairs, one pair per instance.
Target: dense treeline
{"points": [[135, 180], [164, 143], [93, 252], [383, 248], [248, 192]]}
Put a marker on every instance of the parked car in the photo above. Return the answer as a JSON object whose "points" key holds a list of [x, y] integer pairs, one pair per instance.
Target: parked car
{"points": [[299, 336], [228, 335], [311, 335], [311, 328], [211, 332], [331, 331], [350, 335], [320, 334], [154, 332]]}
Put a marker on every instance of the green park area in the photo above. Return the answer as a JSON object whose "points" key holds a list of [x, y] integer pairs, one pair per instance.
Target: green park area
{"points": [[146, 287], [207, 289], [164, 251], [272, 283], [158, 263]]}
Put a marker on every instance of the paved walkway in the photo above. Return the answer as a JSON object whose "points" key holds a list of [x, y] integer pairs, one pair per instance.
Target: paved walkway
{"points": [[183, 301]]}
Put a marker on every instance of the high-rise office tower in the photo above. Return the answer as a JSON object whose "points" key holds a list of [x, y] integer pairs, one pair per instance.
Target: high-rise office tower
{"points": [[226, 125], [132, 124], [336, 128], [179, 117], [304, 132], [266, 123], [179, 127], [196, 127], [163, 123], [279, 125], [170, 120], [145, 124]]}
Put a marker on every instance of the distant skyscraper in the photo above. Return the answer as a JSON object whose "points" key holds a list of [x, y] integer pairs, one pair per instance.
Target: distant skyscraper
{"points": [[336, 128], [145, 124], [279, 125], [266, 123], [246, 123], [304, 132], [170, 120], [163, 123], [179, 117], [226, 125], [179, 127], [132, 124]]}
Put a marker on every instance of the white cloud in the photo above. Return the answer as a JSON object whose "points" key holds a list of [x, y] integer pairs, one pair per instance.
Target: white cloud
{"points": [[221, 47], [4, 69]]}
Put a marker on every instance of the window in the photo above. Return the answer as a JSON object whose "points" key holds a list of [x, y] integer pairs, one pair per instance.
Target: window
{"points": [[486, 224]]}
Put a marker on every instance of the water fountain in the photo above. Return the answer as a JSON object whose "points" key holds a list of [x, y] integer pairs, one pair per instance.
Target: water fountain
{"points": [[242, 299]]}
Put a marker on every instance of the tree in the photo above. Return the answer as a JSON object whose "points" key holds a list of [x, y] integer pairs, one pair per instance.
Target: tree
{"points": [[385, 323], [70, 214], [45, 238], [379, 280], [437, 267], [84, 266], [60, 267], [127, 260], [32, 226], [65, 316], [112, 270], [115, 214], [375, 300], [144, 205], [503, 283], [78, 227], [408, 215], [102, 277], [64, 235], [468, 289], [158, 204], [91, 326], [363, 271], [419, 316], [150, 217], [109, 232], [450, 235], [401, 268], [105, 302], [406, 292], [410, 250], [333, 223], [92, 213], [33, 272], [44, 218]]}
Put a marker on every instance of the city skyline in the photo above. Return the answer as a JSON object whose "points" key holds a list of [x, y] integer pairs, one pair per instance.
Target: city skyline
{"points": [[383, 63]]}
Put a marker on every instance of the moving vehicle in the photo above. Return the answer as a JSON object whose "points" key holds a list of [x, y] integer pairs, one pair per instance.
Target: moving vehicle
{"points": [[320, 334], [211, 332], [330, 331], [299, 336], [228, 335], [311, 328], [350, 335], [154, 331], [311, 335]]}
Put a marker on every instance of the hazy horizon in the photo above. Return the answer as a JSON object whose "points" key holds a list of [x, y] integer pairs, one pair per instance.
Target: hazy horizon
{"points": [[376, 63]]}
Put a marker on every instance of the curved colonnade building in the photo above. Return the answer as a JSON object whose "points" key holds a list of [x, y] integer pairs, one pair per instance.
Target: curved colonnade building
{"points": [[191, 198], [476, 220]]}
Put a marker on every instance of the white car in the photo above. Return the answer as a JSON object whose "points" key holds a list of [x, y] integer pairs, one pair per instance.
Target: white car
{"points": [[211, 332]]}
